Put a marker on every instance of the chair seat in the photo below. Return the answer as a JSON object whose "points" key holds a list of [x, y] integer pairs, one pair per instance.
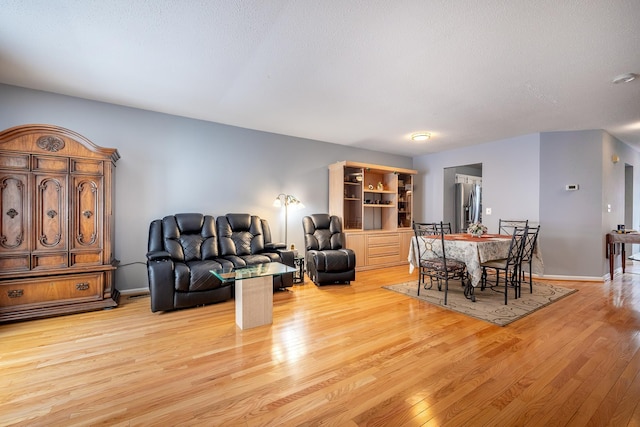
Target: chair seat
{"points": [[438, 264], [496, 263]]}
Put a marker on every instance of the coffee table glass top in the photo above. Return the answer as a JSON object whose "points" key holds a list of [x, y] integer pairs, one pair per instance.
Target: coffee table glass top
{"points": [[251, 271]]}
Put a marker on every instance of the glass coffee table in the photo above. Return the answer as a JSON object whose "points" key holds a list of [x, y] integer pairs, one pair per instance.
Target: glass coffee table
{"points": [[253, 291]]}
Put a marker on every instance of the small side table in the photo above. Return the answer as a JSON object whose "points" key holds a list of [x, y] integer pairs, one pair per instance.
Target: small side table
{"points": [[298, 275], [253, 291]]}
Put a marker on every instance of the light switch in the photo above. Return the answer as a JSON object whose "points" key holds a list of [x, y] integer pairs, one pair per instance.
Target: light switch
{"points": [[487, 211], [608, 208]]}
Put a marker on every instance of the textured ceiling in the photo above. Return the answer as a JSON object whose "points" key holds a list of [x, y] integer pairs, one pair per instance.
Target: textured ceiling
{"points": [[363, 73]]}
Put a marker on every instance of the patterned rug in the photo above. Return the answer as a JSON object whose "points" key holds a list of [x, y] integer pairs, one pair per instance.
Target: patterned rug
{"points": [[489, 305]]}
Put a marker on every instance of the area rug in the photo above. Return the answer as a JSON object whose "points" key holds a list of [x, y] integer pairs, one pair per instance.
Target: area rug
{"points": [[489, 305]]}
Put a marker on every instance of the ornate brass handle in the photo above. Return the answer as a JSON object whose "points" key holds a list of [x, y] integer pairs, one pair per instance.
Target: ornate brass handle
{"points": [[12, 213], [15, 293], [87, 214], [82, 286]]}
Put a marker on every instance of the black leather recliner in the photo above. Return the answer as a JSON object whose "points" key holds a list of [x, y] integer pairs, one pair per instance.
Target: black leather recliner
{"points": [[327, 259], [183, 248]]}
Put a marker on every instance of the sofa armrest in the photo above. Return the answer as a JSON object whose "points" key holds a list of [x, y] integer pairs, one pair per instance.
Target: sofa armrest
{"points": [[161, 285], [274, 247], [286, 257], [158, 256]]}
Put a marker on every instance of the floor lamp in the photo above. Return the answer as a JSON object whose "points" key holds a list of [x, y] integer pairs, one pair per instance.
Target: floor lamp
{"points": [[286, 200]]}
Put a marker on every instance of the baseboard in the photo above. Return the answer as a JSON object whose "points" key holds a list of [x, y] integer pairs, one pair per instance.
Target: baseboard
{"points": [[132, 292], [573, 278]]}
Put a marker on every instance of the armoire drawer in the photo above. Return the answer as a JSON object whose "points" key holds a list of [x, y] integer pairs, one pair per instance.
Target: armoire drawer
{"points": [[51, 290]]}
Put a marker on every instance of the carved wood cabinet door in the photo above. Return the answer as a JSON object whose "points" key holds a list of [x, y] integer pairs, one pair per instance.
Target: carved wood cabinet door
{"points": [[87, 205], [14, 214], [50, 213]]}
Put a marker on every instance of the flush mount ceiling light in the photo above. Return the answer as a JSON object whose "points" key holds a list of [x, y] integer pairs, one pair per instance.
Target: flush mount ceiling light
{"points": [[420, 136], [625, 78]]}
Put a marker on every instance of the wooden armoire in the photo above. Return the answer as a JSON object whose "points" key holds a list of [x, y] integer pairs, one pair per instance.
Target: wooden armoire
{"points": [[56, 223]]}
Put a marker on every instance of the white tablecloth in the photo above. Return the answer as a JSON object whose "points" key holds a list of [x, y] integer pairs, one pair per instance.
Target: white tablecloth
{"points": [[474, 251]]}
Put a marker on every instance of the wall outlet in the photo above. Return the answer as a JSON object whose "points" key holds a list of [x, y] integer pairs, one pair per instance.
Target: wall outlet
{"points": [[487, 211]]}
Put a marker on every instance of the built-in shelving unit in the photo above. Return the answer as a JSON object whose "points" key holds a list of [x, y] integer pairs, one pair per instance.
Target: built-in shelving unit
{"points": [[376, 205]]}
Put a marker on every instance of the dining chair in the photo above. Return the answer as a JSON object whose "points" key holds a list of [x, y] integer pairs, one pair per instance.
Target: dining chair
{"points": [[506, 226], [421, 229], [445, 226], [433, 262], [530, 243], [510, 265]]}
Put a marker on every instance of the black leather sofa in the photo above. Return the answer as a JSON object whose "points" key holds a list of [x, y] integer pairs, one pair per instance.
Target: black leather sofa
{"points": [[328, 260], [183, 248]]}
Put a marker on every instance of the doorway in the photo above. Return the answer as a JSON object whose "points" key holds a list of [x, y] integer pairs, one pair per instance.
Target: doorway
{"points": [[452, 175], [628, 203]]}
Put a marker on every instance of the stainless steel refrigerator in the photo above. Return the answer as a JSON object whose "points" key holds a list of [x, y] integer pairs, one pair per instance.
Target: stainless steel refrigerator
{"points": [[468, 206]]}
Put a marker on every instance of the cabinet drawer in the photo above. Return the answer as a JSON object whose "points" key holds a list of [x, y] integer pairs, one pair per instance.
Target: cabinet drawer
{"points": [[14, 161], [51, 290], [392, 239], [86, 166], [42, 261], [50, 164], [381, 260], [373, 251], [86, 258], [14, 263]]}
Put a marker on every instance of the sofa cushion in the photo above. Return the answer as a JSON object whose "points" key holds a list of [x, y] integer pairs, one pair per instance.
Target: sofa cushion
{"points": [[196, 276], [333, 260], [243, 261]]}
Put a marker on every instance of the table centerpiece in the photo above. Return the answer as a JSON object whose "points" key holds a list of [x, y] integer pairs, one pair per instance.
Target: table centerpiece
{"points": [[477, 229]]}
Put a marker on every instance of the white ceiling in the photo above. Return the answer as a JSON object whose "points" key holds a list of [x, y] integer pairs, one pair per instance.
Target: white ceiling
{"points": [[364, 73]]}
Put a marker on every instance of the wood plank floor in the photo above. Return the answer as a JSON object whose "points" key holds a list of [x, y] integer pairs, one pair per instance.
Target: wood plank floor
{"points": [[337, 355]]}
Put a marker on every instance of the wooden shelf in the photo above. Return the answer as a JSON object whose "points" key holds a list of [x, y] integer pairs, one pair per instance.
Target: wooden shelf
{"points": [[378, 232]]}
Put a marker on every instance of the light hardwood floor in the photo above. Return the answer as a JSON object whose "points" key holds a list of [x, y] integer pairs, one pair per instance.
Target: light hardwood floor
{"points": [[336, 355]]}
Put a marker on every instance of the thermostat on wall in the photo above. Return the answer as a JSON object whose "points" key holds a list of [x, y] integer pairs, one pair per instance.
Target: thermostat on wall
{"points": [[572, 187]]}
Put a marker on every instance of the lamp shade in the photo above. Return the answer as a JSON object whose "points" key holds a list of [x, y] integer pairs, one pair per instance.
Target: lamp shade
{"points": [[287, 200]]}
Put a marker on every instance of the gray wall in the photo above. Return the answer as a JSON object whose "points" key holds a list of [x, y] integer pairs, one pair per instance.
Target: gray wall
{"points": [[572, 158], [577, 221], [510, 179], [172, 164]]}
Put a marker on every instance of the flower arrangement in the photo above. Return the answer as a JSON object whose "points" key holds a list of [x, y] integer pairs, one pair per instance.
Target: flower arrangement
{"points": [[476, 229]]}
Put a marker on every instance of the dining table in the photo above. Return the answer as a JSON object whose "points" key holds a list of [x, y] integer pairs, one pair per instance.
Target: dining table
{"points": [[618, 238], [474, 251]]}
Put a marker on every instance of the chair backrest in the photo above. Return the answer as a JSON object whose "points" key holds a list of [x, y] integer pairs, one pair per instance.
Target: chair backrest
{"points": [[240, 234], [430, 240], [516, 248], [266, 232], [530, 243], [445, 226], [322, 232], [506, 226], [186, 236]]}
